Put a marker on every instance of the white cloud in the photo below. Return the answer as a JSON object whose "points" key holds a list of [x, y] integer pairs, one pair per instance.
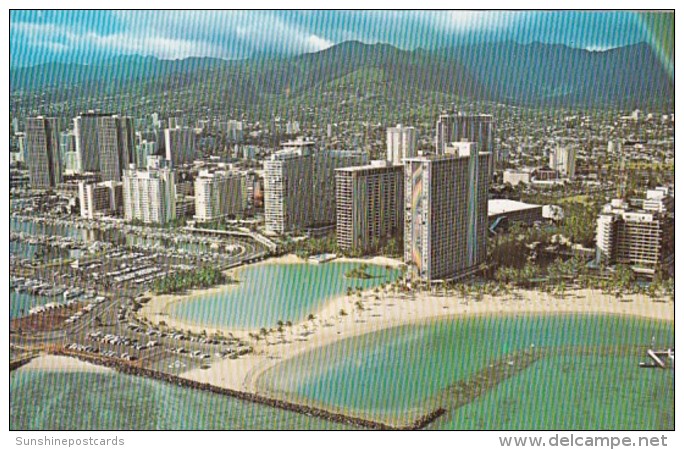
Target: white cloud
{"points": [[317, 43], [599, 48]]}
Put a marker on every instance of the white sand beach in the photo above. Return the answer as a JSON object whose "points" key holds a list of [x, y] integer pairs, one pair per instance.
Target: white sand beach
{"points": [[63, 364], [384, 310]]}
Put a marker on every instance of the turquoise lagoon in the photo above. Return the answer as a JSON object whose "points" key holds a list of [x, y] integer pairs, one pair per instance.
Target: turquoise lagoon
{"points": [[267, 293], [589, 380], [397, 373]]}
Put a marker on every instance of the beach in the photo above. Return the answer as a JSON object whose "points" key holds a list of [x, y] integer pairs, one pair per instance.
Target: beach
{"points": [[157, 309], [56, 363], [348, 316]]}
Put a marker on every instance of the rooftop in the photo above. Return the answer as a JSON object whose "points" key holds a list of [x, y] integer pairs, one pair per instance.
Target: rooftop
{"points": [[502, 206]]}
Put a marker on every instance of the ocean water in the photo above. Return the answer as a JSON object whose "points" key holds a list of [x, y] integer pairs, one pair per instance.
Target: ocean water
{"points": [[267, 293], [576, 393], [590, 379], [47, 400]]}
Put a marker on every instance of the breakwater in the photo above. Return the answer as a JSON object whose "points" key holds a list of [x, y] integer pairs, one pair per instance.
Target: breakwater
{"points": [[464, 392], [129, 368]]}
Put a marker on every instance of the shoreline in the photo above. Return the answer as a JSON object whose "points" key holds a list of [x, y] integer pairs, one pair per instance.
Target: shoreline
{"points": [[63, 364], [382, 310], [157, 309]]}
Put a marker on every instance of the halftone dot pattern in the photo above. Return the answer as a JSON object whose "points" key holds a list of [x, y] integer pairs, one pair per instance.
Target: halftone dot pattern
{"points": [[586, 375], [290, 293], [578, 383]]}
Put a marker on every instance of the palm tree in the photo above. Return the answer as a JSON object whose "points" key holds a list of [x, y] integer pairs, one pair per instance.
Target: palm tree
{"points": [[560, 289]]}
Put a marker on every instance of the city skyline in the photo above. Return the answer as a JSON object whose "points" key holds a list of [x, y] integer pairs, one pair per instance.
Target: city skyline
{"points": [[422, 226]]}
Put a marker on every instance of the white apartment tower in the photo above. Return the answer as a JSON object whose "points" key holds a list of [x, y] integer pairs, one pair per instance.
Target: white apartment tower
{"points": [[446, 212], [299, 184], [401, 144], [219, 194], [150, 195], [105, 198], [562, 160]]}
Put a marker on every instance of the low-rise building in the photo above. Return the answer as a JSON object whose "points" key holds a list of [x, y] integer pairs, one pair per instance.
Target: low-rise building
{"points": [[513, 211], [639, 234], [100, 199]]}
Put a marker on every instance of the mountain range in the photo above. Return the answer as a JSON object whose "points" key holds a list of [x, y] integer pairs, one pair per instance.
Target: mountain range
{"points": [[524, 74]]}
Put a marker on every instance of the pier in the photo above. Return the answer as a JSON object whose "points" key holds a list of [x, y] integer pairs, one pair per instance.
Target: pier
{"points": [[659, 358]]}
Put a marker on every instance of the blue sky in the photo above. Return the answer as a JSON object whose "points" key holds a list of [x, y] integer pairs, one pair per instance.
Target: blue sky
{"points": [[86, 36]]}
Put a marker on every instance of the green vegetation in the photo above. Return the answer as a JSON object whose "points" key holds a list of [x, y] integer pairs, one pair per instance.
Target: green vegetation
{"points": [[328, 244], [313, 246], [579, 221], [359, 272], [190, 279]]}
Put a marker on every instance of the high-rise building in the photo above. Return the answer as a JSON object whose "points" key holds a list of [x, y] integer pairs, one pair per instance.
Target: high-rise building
{"points": [[639, 233], [150, 195], [21, 145], [180, 145], [219, 194], [42, 152], [456, 127], [370, 202], [562, 160], [104, 143], [401, 143], [86, 137], [233, 130], [325, 163], [143, 150], [154, 118], [116, 139], [292, 127], [299, 183], [67, 142], [69, 156], [446, 212], [96, 199], [288, 186]]}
